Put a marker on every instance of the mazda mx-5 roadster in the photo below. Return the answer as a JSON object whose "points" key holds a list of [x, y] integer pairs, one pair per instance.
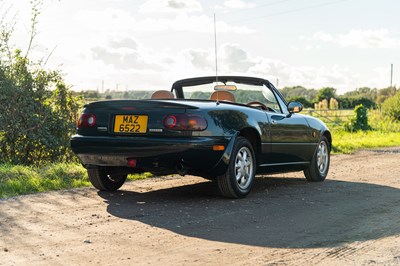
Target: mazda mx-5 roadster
{"points": [[226, 128]]}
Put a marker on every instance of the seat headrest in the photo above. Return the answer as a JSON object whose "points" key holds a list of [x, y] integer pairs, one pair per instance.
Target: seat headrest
{"points": [[162, 94], [222, 96]]}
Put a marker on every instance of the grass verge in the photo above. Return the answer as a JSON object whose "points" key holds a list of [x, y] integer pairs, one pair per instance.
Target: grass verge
{"points": [[21, 180], [347, 142]]}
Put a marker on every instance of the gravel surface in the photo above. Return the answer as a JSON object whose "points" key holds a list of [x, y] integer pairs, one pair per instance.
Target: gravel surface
{"points": [[353, 218]]}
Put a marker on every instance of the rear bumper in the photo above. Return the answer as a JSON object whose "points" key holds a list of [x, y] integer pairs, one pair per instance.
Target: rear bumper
{"points": [[158, 155]]}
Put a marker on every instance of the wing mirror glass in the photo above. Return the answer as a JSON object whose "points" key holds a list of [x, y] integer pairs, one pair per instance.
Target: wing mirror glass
{"points": [[295, 107]]}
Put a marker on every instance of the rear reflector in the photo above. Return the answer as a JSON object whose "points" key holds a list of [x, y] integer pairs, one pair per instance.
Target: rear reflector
{"points": [[132, 163]]}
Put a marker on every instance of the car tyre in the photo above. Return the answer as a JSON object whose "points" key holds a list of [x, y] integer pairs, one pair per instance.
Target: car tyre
{"points": [[106, 179], [319, 166], [239, 177]]}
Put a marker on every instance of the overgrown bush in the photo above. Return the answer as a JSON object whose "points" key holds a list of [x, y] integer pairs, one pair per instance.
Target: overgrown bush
{"points": [[37, 114], [37, 110], [391, 107], [359, 121]]}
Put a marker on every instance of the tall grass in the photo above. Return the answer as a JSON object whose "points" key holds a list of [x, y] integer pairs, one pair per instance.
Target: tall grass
{"points": [[19, 180], [347, 142]]}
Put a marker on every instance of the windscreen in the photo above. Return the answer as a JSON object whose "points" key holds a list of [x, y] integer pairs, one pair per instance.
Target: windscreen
{"points": [[244, 94]]}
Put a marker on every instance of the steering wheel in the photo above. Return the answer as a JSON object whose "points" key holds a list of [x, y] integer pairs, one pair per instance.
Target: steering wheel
{"points": [[259, 104]]}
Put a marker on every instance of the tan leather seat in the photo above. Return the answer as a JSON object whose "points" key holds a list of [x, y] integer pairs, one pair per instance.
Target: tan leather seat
{"points": [[162, 94], [222, 96]]}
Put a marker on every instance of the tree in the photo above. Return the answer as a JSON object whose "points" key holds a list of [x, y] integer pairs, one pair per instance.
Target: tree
{"points": [[352, 102], [385, 93], [302, 100], [326, 93], [391, 107], [363, 92], [299, 91], [91, 94]]}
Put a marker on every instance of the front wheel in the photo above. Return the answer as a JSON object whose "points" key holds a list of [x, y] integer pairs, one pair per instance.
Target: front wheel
{"points": [[106, 178], [238, 178], [319, 166]]}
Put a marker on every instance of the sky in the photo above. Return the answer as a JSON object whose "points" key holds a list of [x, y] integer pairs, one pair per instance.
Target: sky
{"points": [[148, 44]]}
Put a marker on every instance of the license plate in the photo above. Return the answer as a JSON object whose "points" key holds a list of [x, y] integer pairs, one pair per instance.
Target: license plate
{"points": [[130, 124]]}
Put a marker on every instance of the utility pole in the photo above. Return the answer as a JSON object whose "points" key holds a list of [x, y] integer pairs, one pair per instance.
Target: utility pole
{"points": [[391, 75], [102, 86], [277, 83]]}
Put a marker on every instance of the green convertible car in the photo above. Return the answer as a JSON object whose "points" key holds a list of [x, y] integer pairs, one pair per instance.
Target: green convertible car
{"points": [[225, 128]]}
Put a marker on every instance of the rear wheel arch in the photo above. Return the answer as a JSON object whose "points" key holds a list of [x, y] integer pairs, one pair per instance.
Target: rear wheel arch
{"points": [[253, 136], [238, 178], [328, 136]]}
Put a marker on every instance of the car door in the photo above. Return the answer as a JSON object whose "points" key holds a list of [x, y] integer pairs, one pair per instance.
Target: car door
{"points": [[290, 134], [290, 138]]}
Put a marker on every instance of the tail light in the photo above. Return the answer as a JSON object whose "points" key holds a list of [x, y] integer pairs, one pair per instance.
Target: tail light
{"points": [[185, 122], [86, 120]]}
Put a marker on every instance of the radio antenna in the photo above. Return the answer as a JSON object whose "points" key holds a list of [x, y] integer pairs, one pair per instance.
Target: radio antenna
{"points": [[215, 47]]}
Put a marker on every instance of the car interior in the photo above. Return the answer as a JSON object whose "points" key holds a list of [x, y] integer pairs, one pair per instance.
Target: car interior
{"points": [[222, 96]]}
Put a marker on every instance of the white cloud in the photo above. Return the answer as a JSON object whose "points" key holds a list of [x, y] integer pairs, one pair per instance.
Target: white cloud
{"points": [[238, 4], [381, 76], [124, 43], [235, 59], [119, 59], [369, 39], [322, 36], [308, 76], [105, 20], [317, 77], [126, 54], [201, 58], [183, 22], [381, 38], [157, 6], [112, 20], [312, 47], [231, 59]]}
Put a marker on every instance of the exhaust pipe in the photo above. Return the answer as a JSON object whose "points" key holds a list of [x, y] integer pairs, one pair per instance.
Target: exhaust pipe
{"points": [[181, 169]]}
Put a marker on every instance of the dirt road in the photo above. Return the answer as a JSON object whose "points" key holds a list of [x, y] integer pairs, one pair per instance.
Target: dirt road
{"points": [[353, 218]]}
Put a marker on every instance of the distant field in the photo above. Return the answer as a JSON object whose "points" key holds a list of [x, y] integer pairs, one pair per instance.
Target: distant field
{"points": [[384, 133], [331, 117], [337, 118]]}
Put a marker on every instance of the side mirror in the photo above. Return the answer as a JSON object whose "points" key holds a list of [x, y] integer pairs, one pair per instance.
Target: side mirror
{"points": [[294, 107]]}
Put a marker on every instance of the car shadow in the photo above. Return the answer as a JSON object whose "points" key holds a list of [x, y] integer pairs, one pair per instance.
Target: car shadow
{"points": [[279, 213]]}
